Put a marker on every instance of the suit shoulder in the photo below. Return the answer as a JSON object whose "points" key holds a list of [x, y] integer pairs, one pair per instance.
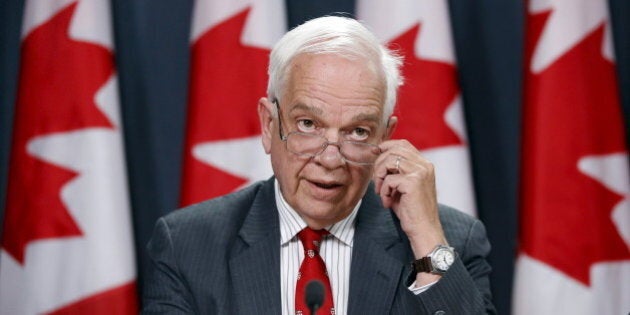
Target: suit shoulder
{"points": [[457, 225], [225, 210], [450, 215]]}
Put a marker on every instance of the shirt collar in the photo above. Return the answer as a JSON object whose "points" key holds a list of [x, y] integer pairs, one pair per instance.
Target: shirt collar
{"points": [[291, 223]]}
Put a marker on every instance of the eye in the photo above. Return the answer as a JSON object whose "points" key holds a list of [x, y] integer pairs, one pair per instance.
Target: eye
{"points": [[306, 125], [359, 134]]}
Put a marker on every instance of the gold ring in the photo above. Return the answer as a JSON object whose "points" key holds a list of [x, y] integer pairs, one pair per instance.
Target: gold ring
{"points": [[398, 163]]}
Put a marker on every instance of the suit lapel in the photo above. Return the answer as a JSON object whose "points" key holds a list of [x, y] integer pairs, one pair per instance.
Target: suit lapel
{"points": [[255, 261], [375, 272], [377, 258]]}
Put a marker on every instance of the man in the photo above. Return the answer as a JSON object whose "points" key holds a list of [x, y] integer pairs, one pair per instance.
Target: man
{"points": [[326, 122]]}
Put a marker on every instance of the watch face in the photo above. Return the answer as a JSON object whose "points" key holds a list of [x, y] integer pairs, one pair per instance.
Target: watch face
{"points": [[442, 259]]}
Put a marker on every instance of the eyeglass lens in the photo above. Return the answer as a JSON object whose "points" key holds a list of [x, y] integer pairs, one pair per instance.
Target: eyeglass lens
{"points": [[312, 145]]}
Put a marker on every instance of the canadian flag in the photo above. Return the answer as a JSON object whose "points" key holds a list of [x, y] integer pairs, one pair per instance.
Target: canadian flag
{"points": [[429, 103], [67, 241], [575, 210], [231, 41]]}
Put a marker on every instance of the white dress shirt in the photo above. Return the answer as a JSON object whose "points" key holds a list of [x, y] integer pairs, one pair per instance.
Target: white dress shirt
{"points": [[336, 251]]}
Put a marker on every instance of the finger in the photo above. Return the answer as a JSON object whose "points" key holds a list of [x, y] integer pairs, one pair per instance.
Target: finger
{"points": [[386, 167], [389, 190], [387, 151], [390, 144], [400, 147], [378, 182], [386, 195], [404, 150], [380, 171], [395, 163]]}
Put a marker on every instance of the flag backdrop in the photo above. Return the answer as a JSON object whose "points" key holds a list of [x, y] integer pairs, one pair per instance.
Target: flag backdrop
{"points": [[575, 210], [158, 78], [420, 31], [67, 239], [230, 49]]}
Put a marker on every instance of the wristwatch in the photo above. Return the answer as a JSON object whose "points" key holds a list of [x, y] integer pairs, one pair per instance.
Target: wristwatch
{"points": [[437, 262]]}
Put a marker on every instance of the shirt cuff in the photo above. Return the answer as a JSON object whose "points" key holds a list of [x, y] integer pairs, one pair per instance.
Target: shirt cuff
{"points": [[417, 290]]}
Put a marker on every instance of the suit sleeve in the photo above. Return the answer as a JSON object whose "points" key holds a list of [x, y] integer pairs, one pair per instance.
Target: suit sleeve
{"points": [[165, 291], [465, 287]]}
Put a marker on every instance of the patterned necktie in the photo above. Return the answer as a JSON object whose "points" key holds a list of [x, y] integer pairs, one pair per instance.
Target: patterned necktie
{"points": [[312, 268]]}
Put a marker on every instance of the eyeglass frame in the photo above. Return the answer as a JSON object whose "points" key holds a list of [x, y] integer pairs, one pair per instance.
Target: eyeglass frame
{"points": [[325, 144]]}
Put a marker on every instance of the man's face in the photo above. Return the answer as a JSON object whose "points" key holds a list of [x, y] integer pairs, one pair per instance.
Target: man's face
{"points": [[341, 100]]}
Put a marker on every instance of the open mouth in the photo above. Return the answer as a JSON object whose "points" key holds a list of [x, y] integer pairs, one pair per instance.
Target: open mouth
{"points": [[326, 185]]}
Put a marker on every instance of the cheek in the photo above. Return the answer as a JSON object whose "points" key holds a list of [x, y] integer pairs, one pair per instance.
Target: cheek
{"points": [[360, 178], [285, 164], [362, 173]]}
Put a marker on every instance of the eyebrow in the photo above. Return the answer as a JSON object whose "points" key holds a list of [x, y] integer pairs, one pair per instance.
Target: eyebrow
{"points": [[312, 109], [366, 117], [318, 111]]}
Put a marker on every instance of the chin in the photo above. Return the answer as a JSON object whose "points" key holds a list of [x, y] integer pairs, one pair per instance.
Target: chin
{"points": [[324, 212]]}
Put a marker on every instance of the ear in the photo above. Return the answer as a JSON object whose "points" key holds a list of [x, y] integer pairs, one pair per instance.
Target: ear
{"points": [[391, 126], [265, 115]]}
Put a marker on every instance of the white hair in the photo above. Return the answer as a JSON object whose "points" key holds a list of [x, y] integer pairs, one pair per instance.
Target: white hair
{"points": [[344, 37]]}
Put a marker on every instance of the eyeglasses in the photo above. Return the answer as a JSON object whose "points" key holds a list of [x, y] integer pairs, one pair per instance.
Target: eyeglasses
{"points": [[311, 145]]}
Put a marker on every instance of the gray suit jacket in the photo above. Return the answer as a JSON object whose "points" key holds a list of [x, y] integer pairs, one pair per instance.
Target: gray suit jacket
{"points": [[222, 256]]}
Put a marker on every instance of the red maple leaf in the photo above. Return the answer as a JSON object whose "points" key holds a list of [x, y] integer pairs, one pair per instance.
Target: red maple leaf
{"points": [[58, 80], [430, 87], [227, 79], [571, 111], [117, 300]]}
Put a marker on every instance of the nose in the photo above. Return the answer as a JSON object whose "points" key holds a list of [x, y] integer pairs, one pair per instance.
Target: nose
{"points": [[331, 157]]}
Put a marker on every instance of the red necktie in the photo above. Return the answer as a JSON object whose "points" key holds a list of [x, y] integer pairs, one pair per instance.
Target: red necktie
{"points": [[312, 268]]}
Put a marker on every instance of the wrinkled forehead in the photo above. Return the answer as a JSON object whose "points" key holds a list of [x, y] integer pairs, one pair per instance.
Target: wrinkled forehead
{"points": [[361, 61], [360, 72], [330, 85]]}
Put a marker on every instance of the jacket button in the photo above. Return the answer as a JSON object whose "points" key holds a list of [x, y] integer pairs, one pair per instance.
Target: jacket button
{"points": [[440, 312]]}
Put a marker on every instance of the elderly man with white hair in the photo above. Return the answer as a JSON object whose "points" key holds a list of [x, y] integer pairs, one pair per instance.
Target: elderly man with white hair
{"points": [[348, 224]]}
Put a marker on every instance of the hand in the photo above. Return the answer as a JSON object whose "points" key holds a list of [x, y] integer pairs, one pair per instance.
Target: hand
{"points": [[406, 183]]}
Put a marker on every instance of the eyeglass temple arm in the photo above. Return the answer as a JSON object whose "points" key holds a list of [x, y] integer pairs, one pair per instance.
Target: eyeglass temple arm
{"points": [[282, 137]]}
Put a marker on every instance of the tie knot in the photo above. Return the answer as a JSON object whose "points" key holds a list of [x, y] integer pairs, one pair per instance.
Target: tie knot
{"points": [[311, 239]]}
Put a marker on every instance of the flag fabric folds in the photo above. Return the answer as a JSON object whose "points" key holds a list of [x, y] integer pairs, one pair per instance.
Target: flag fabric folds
{"points": [[67, 241], [429, 108], [574, 255], [230, 45]]}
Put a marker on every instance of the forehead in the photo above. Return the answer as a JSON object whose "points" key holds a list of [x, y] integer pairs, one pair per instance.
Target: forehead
{"points": [[334, 84]]}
